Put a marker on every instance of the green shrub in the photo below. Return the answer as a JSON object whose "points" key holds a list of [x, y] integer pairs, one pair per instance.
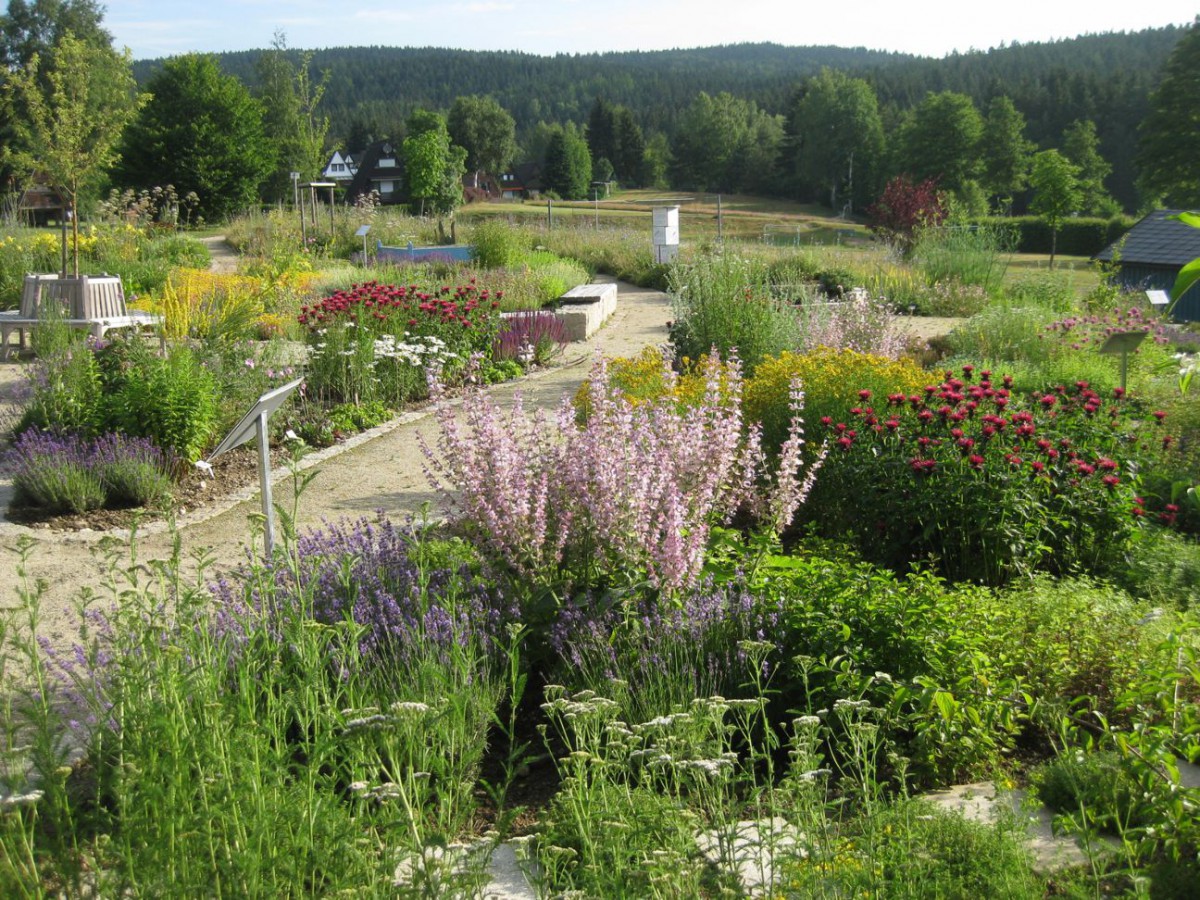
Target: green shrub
{"points": [[1096, 788], [1042, 290], [912, 646], [352, 417], [916, 851], [949, 298], [173, 401], [723, 302], [1002, 334], [1164, 568], [987, 483], [1076, 237], [65, 392], [496, 245]]}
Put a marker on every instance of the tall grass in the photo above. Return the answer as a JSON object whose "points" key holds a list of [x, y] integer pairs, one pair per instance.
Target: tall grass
{"points": [[251, 746], [724, 302], [968, 255]]}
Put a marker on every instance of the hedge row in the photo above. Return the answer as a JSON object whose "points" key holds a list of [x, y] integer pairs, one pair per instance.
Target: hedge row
{"points": [[1076, 237]]}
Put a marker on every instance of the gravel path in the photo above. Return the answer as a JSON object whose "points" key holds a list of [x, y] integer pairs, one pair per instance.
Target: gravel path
{"points": [[378, 470]]}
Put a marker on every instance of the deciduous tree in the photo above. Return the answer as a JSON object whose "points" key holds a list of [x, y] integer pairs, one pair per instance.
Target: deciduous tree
{"points": [[291, 122], [1006, 153], [433, 166], [837, 137], [726, 144], [1055, 192], [483, 128], [940, 139], [33, 28], [1081, 147], [70, 116], [201, 132], [568, 168]]}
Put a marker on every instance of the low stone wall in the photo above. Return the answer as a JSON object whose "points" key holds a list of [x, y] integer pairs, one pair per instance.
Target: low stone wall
{"points": [[585, 308]]}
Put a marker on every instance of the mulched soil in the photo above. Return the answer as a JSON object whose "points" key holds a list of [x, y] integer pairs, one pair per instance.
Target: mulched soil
{"points": [[232, 472]]}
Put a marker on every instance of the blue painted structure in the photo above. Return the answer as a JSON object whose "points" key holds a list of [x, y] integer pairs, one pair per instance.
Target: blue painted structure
{"points": [[1150, 256], [410, 254]]}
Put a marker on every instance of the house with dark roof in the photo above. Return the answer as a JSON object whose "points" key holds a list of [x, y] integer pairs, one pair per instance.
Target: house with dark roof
{"points": [[523, 182], [380, 169], [1151, 254]]}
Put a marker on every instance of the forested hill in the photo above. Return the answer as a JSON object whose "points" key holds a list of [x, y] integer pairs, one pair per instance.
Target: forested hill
{"points": [[384, 83], [1102, 77]]}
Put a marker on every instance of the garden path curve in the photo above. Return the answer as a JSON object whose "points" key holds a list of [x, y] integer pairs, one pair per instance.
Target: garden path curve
{"points": [[379, 470]]}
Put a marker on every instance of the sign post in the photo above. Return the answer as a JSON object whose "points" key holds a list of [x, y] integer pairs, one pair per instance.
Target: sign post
{"points": [[1123, 342], [254, 424], [363, 231]]}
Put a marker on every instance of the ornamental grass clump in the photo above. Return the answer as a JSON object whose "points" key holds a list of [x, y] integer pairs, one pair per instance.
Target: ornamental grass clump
{"points": [[987, 483], [630, 493]]}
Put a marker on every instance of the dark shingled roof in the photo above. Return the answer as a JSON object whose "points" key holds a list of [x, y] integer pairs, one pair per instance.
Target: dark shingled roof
{"points": [[1156, 241]]}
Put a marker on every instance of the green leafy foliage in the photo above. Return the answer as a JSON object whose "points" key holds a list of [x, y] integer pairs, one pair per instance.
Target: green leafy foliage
{"points": [[1167, 136], [172, 400], [201, 131]]}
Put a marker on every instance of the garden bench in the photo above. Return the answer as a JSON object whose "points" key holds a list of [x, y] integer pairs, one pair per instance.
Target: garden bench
{"points": [[94, 303]]}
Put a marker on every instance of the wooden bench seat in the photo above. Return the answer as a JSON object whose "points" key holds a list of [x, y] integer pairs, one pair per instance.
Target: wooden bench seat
{"points": [[92, 303]]}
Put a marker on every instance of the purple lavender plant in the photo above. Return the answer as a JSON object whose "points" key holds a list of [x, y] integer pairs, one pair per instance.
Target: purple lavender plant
{"points": [[53, 472], [67, 473], [134, 471], [371, 574]]}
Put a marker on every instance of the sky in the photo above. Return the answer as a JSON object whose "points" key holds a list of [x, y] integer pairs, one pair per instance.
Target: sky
{"points": [[154, 28]]}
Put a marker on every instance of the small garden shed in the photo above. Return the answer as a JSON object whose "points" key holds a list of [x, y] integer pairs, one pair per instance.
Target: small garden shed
{"points": [[1151, 254]]}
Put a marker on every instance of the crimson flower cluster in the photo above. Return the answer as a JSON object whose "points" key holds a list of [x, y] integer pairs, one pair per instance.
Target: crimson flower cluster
{"points": [[976, 420], [988, 481], [466, 306]]}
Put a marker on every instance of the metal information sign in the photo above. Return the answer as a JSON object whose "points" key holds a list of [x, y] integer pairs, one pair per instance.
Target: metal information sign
{"points": [[254, 424], [1123, 342]]}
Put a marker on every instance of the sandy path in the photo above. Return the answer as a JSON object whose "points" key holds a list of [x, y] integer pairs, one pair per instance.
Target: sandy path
{"points": [[379, 470]]}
